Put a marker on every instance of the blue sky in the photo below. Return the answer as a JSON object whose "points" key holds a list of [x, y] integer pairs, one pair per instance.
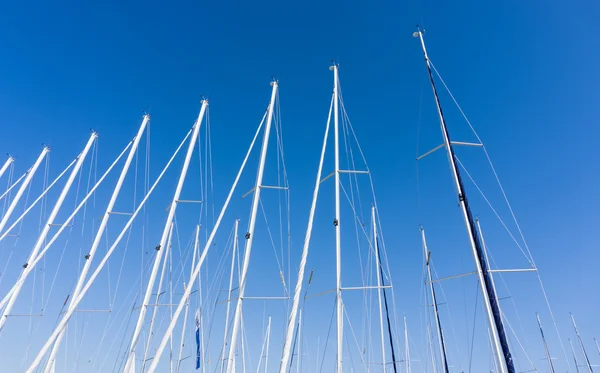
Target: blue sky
{"points": [[524, 72]]}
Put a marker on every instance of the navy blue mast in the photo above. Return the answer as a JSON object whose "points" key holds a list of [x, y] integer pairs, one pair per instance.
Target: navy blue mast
{"points": [[480, 260]]}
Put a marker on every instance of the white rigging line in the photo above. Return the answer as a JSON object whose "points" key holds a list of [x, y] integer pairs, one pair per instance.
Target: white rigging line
{"points": [[13, 184]]}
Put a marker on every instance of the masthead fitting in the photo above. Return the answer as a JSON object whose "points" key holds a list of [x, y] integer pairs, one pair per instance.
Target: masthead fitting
{"points": [[416, 34]]}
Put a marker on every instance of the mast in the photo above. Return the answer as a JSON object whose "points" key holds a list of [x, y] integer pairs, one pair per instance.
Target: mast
{"points": [[299, 340], [267, 349], [49, 222], [8, 162], [159, 253], [234, 251], [377, 269], [187, 305], [250, 233], [545, 345], [289, 334], [101, 230], [438, 324], [157, 298], [574, 356], [407, 348], [492, 306], [23, 187], [587, 360], [336, 223]]}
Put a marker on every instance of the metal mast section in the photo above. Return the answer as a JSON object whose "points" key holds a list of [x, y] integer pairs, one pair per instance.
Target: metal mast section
{"points": [[289, 334], [336, 223], [492, 306], [163, 240], [250, 234], [8, 162], [233, 256], [49, 222], [587, 360], [101, 230], [545, 345], [379, 289], [438, 323], [23, 187], [407, 347]]}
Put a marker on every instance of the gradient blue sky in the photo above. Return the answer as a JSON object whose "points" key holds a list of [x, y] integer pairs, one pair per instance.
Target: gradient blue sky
{"points": [[524, 72]]}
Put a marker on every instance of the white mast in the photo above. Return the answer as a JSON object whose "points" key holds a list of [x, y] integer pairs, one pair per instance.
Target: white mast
{"points": [[299, 342], [267, 349], [8, 162], [158, 294], [163, 240], [101, 229], [438, 325], [407, 347], [336, 223], [226, 331], [250, 233], [23, 187], [379, 289], [187, 305], [585, 356], [42, 237], [492, 307], [289, 334]]}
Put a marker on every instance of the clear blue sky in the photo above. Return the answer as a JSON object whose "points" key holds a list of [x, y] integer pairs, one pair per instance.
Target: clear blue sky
{"points": [[524, 72]]}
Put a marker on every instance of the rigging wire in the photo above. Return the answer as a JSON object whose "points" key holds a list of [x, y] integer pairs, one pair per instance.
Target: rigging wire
{"points": [[516, 222]]}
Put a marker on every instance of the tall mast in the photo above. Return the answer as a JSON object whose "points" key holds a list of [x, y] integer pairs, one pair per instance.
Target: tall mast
{"points": [[250, 233], [101, 230], [42, 237], [159, 252], [187, 305], [267, 348], [406, 347], [545, 345], [299, 340], [574, 356], [336, 223], [289, 334], [8, 162], [234, 251], [377, 269], [587, 360], [23, 187], [438, 324], [168, 248], [501, 348]]}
